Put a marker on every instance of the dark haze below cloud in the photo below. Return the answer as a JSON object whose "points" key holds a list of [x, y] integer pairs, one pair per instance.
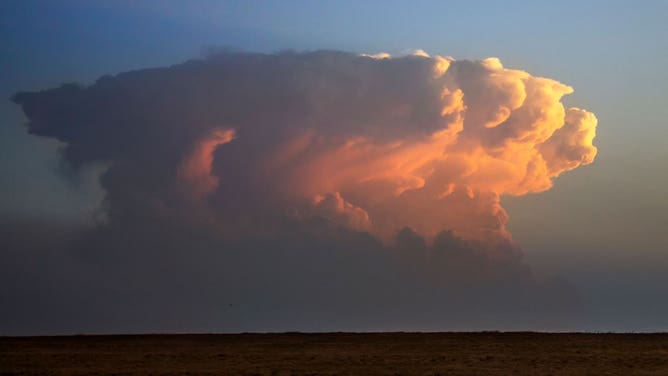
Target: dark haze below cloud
{"points": [[166, 276]]}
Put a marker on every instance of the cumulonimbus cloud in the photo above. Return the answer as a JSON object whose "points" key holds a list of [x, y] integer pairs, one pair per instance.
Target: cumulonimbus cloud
{"points": [[373, 142], [238, 158]]}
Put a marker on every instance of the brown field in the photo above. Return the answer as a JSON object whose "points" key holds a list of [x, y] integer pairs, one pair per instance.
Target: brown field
{"points": [[338, 354]]}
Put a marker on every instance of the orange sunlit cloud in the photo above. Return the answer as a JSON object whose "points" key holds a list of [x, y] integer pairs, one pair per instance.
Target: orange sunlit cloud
{"points": [[501, 132]]}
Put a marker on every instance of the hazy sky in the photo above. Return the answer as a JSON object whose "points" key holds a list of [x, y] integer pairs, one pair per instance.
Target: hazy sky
{"points": [[601, 228]]}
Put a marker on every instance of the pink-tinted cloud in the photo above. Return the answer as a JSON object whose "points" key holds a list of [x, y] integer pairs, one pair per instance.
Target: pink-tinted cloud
{"points": [[195, 169]]}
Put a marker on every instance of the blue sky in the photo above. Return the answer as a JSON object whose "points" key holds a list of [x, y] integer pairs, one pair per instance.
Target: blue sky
{"points": [[601, 227]]}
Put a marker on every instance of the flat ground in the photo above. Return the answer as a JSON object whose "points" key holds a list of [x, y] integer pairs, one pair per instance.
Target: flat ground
{"points": [[339, 354]]}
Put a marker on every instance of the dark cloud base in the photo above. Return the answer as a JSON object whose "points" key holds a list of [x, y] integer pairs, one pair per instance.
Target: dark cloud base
{"points": [[166, 277]]}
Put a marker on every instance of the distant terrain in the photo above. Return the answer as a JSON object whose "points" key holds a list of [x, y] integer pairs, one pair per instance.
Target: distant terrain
{"points": [[487, 353]]}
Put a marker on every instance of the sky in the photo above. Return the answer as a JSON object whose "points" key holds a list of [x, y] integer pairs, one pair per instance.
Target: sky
{"points": [[128, 211]]}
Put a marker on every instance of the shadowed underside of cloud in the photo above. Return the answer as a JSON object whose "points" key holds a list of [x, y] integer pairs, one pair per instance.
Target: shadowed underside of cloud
{"points": [[311, 191], [164, 275]]}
